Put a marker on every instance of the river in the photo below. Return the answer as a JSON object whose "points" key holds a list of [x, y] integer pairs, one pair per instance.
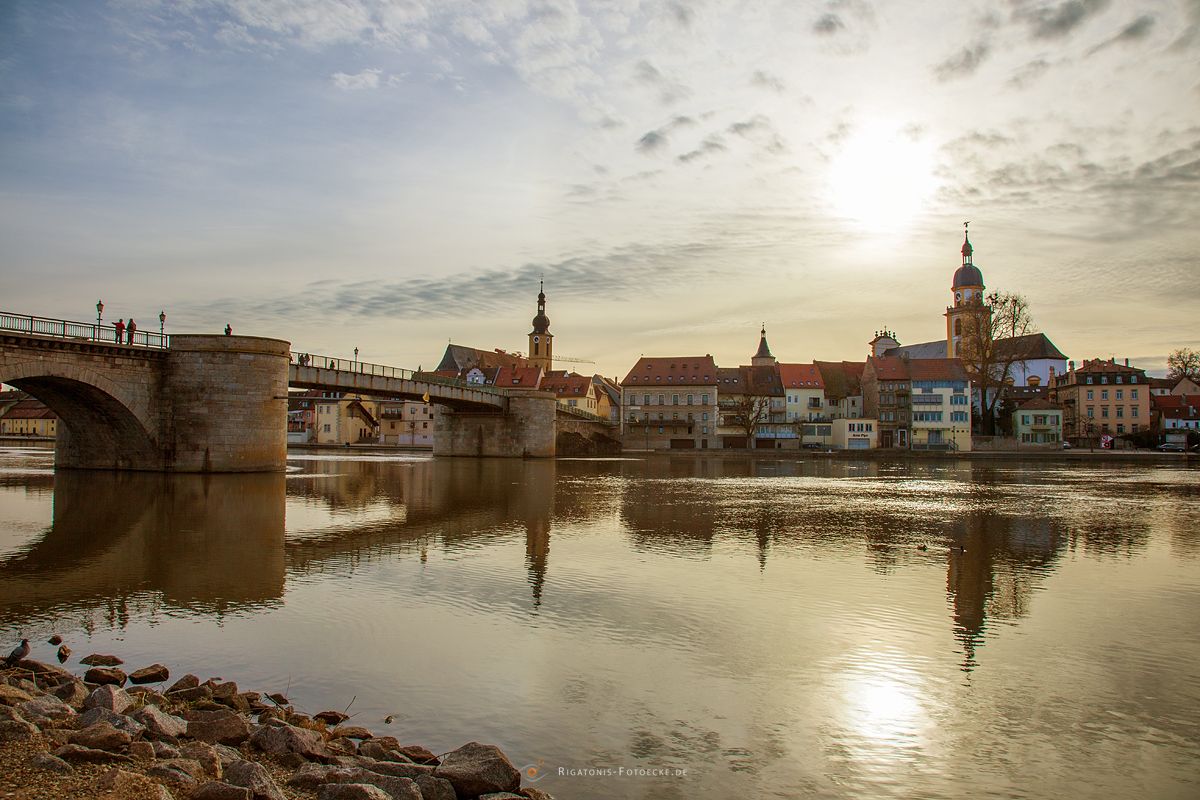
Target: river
{"points": [[661, 627]]}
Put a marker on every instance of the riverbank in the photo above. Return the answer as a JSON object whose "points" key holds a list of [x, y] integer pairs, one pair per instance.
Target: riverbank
{"points": [[878, 454], [109, 734]]}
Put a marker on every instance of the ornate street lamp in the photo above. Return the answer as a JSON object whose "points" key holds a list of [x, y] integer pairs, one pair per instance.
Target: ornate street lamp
{"points": [[162, 322], [356, 358], [99, 310]]}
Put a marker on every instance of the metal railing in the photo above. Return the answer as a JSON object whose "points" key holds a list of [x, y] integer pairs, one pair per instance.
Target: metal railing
{"points": [[356, 367], [80, 331]]}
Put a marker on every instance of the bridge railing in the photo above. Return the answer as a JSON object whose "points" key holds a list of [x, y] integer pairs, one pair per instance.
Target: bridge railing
{"points": [[383, 371], [79, 331]]}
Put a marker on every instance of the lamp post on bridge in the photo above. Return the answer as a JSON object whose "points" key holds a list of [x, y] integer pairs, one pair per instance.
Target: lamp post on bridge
{"points": [[162, 325], [99, 314], [356, 359]]}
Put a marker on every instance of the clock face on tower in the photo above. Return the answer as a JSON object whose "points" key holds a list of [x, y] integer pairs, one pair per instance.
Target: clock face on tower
{"points": [[537, 339], [958, 297]]}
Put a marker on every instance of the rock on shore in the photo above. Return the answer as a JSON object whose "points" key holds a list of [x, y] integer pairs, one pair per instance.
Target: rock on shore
{"points": [[62, 736]]}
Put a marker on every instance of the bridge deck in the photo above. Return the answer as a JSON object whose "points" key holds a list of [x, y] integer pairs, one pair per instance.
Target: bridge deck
{"points": [[454, 395]]}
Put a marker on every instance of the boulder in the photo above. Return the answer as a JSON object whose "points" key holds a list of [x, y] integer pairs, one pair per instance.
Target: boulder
{"points": [[10, 713], [55, 640], [47, 673], [141, 751], [206, 754], [123, 782], [17, 730], [477, 769], [269, 714], [394, 768], [434, 788], [159, 724], [11, 695], [398, 788], [254, 777], [46, 707], [57, 737], [181, 773], [219, 790], [87, 755], [353, 791], [104, 675], [278, 699], [416, 753], [155, 673], [227, 754], [331, 717], [188, 681], [109, 696], [501, 796], [73, 693], [352, 732], [164, 750], [223, 727], [101, 660], [190, 695], [102, 736], [345, 747], [51, 763], [310, 776], [118, 721], [536, 794], [277, 740]]}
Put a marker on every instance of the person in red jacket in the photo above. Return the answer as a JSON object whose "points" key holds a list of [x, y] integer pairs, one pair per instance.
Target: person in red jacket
{"points": [[120, 326]]}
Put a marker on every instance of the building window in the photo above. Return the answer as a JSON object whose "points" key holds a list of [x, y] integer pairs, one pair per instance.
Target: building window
{"points": [[689, 399], [1133, 394], [1104, 412], [326, 427], [1133, 412], [1120, 429], [1120, 412], [1104, 394], [703, 399], [674, 399], [1120, 394], [704, 416], [645, 399], [1091, 394], [1091, 412]]}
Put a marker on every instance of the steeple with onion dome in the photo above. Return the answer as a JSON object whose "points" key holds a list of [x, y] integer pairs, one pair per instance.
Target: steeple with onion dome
{"points": [[967, 291], [541, 341]]}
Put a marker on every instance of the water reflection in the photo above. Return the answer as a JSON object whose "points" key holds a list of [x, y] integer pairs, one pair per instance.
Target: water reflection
{"points": [[810, 627]]}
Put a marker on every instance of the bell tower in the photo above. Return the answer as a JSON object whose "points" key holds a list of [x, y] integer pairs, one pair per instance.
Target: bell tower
{"points": [[967, 293], [541, 340]]}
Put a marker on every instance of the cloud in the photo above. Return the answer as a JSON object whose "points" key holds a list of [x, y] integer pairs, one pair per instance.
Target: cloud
{"points": [[669, 91], [758, 129], [713, 144], [828, 24], [1056, 21], [651, 142], [766, 80], [367, 79], [962, 63], [1028, 74], [1133, 32]]}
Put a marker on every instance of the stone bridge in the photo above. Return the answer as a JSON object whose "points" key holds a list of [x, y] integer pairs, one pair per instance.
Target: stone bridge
{"points": [[205, 403]]}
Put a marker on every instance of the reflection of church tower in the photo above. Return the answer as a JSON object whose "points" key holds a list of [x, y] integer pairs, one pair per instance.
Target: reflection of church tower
{"points": [[541, 341], [763, 357], [968, 296]]}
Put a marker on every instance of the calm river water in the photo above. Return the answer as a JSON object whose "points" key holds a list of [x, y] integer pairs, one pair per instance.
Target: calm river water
{"points": [[729, 627]]}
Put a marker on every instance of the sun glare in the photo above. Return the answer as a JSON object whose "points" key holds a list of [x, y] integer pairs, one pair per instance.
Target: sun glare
{"points": [[882, 177]]}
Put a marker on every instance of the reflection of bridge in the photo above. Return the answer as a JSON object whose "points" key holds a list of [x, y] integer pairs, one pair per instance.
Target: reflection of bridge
{"points": [[202, 403]]}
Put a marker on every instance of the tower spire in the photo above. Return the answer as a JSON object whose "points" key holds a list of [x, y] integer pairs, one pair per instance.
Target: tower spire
{"points": [[966, 248]]}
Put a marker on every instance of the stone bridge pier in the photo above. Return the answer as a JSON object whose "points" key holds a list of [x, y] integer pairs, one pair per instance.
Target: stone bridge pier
{"points": [[526, 429]]}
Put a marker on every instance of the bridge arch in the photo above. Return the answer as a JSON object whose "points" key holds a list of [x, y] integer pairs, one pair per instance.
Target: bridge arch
{"points": [[100, 421]]}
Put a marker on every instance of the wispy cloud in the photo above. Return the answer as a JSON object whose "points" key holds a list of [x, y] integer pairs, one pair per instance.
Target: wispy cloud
{"points": [[1135, 31], [366, 79], [1055, 21], [962, 63]]}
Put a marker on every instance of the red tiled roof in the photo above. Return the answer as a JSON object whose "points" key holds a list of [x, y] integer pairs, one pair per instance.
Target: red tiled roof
{"points": [[1101, 365], [519, 377], [1176, 406], [565, 385], [801, 376], [1038, 404], [889, 368], [937, 369], [842, 378], [674, 370], [29, 409]]}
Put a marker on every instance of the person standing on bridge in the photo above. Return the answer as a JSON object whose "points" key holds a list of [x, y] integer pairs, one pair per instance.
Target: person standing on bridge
{"points": [[228, 330], [131, 329], [120, 326]]}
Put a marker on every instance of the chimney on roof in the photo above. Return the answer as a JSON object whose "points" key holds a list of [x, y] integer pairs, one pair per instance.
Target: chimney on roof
{"points": [[1127, 362], [1071, 365]]}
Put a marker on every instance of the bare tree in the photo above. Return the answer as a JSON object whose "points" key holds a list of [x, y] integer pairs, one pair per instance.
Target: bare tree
{"points": [[1183, 363], [991, 347], [749, 412]]}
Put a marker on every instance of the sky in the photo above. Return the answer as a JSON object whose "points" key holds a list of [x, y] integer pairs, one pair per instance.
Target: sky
{"points": [[396, 175]]}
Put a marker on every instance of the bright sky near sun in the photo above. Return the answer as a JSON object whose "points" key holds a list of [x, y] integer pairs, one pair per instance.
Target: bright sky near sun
{"points": [[393, 175]]}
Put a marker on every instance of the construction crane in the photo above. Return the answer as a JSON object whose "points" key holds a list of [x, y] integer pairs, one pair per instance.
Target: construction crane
{"points": [[567, 360]]}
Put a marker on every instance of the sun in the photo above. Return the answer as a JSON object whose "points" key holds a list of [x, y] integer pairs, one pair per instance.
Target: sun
{"points": [[882, 176]]}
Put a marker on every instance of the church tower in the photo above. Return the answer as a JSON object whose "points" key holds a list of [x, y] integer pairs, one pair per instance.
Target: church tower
{"points": [[763, 357], [541, 340], [967, 291]]}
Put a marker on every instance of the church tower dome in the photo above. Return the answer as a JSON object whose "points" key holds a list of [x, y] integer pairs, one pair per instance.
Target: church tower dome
{"points": [[541, 340], [967, 292]]}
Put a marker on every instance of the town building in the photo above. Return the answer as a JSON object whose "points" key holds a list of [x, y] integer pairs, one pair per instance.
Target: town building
{"points": [[1175, 412], [804, 390], [1037, 421], [541, 340], [574, 391], [1102, 397], [29, 417], [843, 388], [919, 403], [1180, 385], [670, 403], [405, 423], [347, 419]]}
